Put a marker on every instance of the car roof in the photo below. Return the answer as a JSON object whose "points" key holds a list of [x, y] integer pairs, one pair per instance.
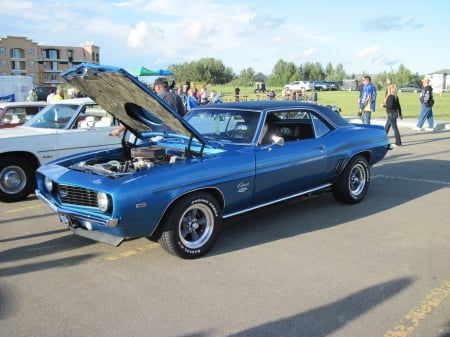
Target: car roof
{"points": [[18, 104], [261, 105], [77, 101], [268, 105]]}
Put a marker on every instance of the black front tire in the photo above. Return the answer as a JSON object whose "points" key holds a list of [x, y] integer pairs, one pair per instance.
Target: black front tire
{"points": [[16, 179], [353, 183], [192, 226]]}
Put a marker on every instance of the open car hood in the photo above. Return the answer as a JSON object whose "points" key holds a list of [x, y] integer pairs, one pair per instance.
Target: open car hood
{"points": [[129, 100]]}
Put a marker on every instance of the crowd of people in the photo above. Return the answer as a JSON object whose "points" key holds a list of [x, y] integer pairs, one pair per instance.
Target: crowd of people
{"points": [[391, 102], [188, 96]]}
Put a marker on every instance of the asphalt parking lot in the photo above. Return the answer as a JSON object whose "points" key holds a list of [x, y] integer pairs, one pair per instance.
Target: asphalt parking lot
{"points": [[308, 267]]}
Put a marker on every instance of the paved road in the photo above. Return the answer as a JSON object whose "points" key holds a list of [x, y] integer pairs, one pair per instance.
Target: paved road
{"points": [[308, 268]]}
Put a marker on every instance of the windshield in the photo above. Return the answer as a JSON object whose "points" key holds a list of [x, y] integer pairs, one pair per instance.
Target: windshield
{"points": [[55, 116], [225, 125]]}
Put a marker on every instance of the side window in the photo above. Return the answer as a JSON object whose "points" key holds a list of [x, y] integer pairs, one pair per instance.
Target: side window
{"points": [[292, 125], [320, 127]]}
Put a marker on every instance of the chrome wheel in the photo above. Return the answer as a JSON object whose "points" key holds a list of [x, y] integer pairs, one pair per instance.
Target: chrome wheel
{"points": [[196, 226]]}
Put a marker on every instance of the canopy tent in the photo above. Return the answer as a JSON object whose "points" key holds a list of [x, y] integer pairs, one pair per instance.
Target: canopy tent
{"points": [[142, 71]]}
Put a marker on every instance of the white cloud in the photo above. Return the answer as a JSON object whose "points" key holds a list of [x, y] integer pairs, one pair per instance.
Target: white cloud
{"points": [[138, 35], [368, 52], [309, 52]]}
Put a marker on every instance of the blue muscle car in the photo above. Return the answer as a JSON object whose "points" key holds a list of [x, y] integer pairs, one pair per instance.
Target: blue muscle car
{"points": [[174, 179]]}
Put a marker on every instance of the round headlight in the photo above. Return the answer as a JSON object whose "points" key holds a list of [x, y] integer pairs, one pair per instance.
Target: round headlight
{"points": [[48, 184], [103, 201]]}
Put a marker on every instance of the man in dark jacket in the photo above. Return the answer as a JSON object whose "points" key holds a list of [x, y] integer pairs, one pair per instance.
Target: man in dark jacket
{"points": [[427, 101], [161, 88]]}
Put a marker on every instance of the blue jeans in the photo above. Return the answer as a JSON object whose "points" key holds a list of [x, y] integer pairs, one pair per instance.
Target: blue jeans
{"points": [[365, 117], [392, 121], [426, 114]]}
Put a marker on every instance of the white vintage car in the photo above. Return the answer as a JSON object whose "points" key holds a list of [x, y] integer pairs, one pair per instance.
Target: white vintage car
{"points": [[63, 128]]}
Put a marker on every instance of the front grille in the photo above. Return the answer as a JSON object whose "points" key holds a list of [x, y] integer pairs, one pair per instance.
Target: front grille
{"points": [[77, 196]]}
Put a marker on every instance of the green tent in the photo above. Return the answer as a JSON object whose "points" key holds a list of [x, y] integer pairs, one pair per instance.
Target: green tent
{"points": [[142, 71]]}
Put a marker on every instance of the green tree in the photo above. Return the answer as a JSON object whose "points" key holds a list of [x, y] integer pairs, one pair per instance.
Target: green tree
{"points": [[246, 77], [205, 70], [283, 72]]}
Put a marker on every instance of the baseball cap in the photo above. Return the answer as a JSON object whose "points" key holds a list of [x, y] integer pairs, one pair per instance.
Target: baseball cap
{"points": [[162, 81]]}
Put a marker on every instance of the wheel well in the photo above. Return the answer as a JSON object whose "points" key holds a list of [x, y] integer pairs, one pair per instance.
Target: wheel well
{"points": [[29, 157], [211, 190], [365, 154]]}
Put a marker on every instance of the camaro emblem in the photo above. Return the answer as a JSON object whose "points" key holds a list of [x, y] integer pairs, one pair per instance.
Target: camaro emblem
{"points": [[63, 194], [242, 187]]}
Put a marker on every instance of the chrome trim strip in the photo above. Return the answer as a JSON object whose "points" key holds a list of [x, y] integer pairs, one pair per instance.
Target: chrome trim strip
{"points": [[112, 222], [278, 200]]}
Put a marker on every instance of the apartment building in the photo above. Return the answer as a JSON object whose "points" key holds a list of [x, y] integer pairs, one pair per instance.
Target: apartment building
{"points": [[45, 63]]}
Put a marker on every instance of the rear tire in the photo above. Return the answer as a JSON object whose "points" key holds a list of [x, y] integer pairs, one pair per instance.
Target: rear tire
{"points": [[353, 183], [191, 227], [16, 179]]}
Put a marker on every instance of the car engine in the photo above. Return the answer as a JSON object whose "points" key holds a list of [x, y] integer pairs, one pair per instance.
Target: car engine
{"points": [[142, 158]]}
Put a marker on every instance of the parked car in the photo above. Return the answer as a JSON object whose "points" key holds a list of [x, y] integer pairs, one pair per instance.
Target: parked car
{"points": [[13, 114], [60, 129], [298, 86], [43, 92], [186, 175], [333, 85], [321, 86], [410, 88]]}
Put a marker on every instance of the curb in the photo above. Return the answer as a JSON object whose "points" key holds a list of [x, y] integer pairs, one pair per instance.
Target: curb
{"points": [[402, 123]]}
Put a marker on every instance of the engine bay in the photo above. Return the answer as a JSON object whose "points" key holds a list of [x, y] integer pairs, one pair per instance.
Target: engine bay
{"points": [[140, 158]]}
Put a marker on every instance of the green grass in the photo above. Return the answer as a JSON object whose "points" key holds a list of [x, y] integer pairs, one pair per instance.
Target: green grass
{"points": [[348, 101]]}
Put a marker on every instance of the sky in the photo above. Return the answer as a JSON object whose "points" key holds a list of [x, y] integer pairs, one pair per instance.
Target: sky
{"points": [[363, 36]]}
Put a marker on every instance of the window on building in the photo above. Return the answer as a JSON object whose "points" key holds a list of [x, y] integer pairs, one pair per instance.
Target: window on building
{"points": [[55, 66], [31, 52], [17, 53], [54, 77], [53, 54], [3, 51], [31, 64], [16, 65], [3, 63], [70, 56]]}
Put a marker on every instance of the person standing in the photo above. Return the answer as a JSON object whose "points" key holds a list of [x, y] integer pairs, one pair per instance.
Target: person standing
{"points": [[191, 101], [59, 95], [161, 88], [203, 95], [393, 111], [389, 83], [32, 97], [368, 100], [236, 93], [427, 102], [51, 96]]}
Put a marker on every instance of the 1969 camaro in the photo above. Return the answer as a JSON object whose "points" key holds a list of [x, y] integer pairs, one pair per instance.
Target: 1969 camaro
{"points": [[180, 177]]}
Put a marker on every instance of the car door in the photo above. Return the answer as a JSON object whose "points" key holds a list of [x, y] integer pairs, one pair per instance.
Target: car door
{"points": [[297, 166], [89, 131]]}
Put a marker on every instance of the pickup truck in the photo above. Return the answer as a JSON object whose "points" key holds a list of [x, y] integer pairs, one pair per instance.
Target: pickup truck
{"points": [[298, 86]]}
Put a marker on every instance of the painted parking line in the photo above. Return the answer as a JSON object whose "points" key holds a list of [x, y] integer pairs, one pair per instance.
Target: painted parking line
{"points": [[412, 319], [131, 252], [23, 209], [439, 182]]}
